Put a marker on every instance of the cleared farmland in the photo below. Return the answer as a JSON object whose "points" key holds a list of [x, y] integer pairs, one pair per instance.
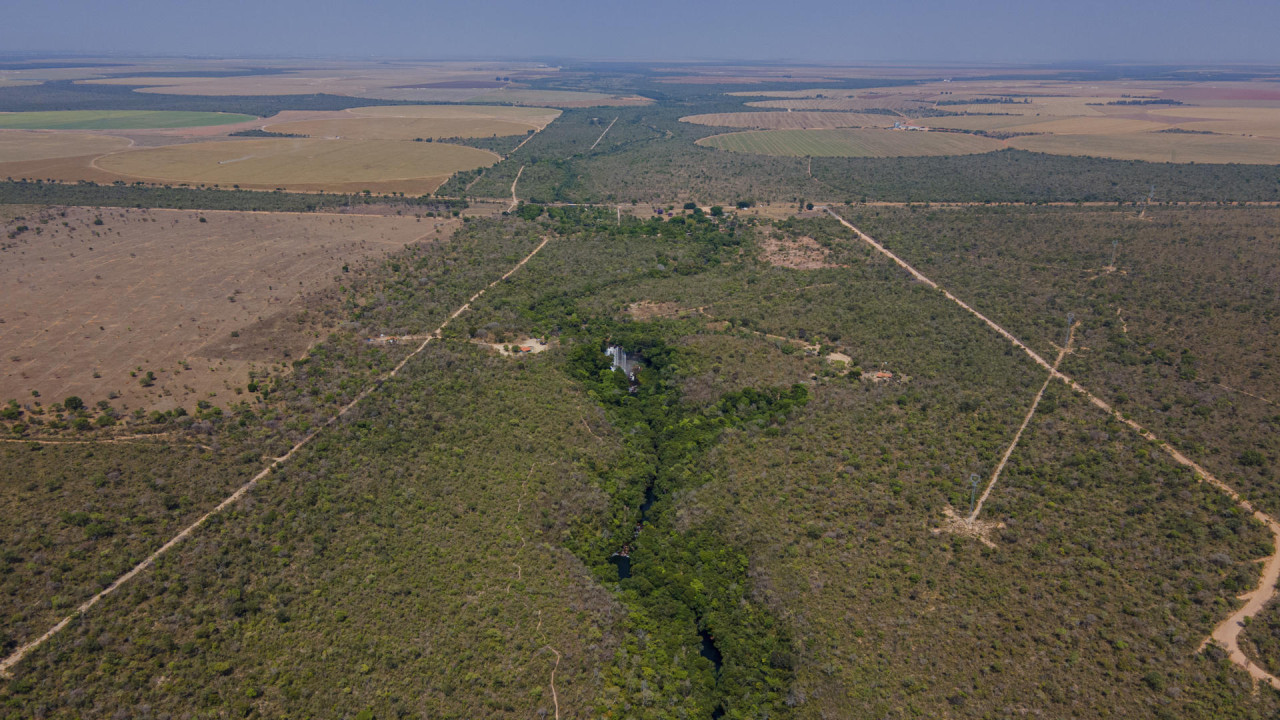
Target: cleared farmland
{"points": [[537, 117], [790, 120], [1158, 147], [301, 163], [851, 143], [24, 145], [392, 128], [115, 119], [159, 288], [559, 98]]}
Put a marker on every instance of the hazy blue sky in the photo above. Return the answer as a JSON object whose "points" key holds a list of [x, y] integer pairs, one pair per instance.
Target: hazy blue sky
{"points": [[844, 31]]}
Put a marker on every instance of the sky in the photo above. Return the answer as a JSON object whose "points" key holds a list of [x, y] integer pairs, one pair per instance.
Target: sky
{"points": [[826, 31]]}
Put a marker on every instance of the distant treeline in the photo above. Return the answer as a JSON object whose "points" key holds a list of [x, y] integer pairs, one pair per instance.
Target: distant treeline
{"points": [[22, 192], [67, 95], [258, 133], [1156, 101], [1003, 100]]}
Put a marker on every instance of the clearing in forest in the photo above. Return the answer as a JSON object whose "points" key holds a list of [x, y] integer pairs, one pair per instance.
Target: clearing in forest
{"points": [[797, 253]]}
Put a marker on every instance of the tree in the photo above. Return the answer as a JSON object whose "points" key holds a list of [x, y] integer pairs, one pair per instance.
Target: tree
{"points": [[73, 403]]}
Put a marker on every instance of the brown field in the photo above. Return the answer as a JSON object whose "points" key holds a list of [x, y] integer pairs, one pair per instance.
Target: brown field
{"points": [[23, 145], [1078, 118], [534, 116], [1158, 147], [357, 79], [393, 128], [790, 120], [559, 98], [1230, 120], [842, 104], [300, 164], [375, 152], [158, 288]]}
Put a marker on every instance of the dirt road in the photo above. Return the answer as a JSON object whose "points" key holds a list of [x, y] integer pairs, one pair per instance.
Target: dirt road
{"points": [[977, 508], [606, 132], [1227, 632], [6, 665], [514, 200]]}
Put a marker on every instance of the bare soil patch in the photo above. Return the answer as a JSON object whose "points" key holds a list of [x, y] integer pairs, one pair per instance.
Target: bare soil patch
{"points": [[798, 253], [650, 310], [162, 291]]}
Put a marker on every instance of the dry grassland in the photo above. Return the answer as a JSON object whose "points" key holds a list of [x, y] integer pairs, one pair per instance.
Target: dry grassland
{"points": [[851, 143], [392, 128], [24, 145], [842, 104], [353, 79], [533, 116], [1103, 119], [301, 164], [559, 98], [158, 288], [1230, 120], [1158, 147], [790, 120]]}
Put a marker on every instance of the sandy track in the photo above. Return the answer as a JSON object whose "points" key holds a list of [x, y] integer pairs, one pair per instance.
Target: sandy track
{"points": [[606, 132], [6, 665], [1227, 633], [995, 475], [514, 200]]}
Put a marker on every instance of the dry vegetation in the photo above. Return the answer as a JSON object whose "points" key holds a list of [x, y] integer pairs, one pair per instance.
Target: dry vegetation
{"points": [[798, 253], [790, 120], [25, 145], [851, 143], [1153, 121], [302, 164], [90, 309]]}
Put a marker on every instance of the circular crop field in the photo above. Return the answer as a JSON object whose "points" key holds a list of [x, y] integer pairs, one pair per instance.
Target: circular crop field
{"points": [[302, 164], [851, 143], [116, 119]]}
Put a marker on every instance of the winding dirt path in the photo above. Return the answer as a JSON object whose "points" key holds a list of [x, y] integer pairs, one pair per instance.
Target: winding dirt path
{"points": [[1227, 633], [514, 200], [6, 665]]}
